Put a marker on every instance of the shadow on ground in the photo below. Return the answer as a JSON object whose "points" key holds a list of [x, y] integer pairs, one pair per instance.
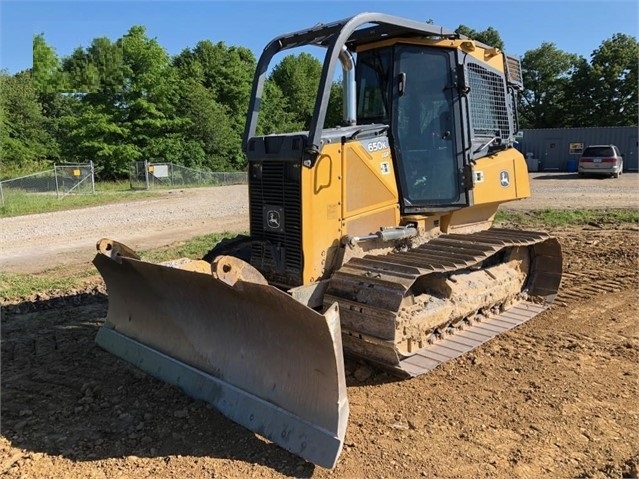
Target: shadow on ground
{"points": [[569, 176], [557, 176]]}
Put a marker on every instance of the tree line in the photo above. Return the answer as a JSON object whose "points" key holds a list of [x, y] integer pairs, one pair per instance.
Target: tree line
{"points": [[116, 102]]}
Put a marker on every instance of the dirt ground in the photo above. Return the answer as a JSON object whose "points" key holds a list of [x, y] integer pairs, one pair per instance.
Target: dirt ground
{"points": [[556, 397]]}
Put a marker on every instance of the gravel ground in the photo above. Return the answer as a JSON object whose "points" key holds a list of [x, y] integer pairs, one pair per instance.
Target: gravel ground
{"points": [[36, 242], [568, 190], [556, 397]]}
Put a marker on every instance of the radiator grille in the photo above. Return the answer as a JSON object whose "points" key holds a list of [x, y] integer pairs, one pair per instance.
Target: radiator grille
{"points": [[488, 108], [277, 254]]}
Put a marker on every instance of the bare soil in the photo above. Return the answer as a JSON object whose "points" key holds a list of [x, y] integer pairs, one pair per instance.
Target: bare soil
{"points": [[556, 397]]}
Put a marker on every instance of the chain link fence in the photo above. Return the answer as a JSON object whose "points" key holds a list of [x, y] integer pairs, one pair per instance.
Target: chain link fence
{"points": [[145, 175], [79, 178], [75, 178], [62, 180]]}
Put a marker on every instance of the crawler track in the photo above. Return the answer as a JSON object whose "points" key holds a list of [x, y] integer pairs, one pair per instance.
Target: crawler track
{"points": [[371, 292]]}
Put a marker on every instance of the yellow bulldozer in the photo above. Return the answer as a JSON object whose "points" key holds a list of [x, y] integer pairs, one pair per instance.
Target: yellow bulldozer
{"points": [[372, 239]]}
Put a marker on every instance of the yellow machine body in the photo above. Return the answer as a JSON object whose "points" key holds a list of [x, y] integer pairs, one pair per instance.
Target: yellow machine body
{"points": [[353, 192]]}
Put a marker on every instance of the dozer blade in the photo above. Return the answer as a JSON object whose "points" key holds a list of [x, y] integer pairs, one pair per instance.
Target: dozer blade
{"points": [[260, 357]]}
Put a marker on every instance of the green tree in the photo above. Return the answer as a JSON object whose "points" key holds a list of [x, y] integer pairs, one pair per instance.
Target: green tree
{"points": [[96, 128], [290, 94], [490, 36], [49, 81], [91, 133], [580, 92], [546, 74], [208, 126], [128, 91], [150, 91], [615, 81], [219, 77], [274, 116], [226, 71], [604, 91], [297, 77], [335, 111], [25, 141], [48, 76]]}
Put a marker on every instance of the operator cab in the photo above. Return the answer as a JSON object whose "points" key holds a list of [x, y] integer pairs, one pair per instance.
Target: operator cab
{"points": [[445, 101]]}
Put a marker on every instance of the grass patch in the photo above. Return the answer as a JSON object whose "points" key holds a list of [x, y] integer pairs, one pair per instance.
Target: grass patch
{"points": [[63, 279], [116, 186], [14, 285], [194, 248], [550, 218], [19, 202]]}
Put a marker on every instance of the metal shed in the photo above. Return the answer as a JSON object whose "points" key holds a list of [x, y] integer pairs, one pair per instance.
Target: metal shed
{"points": [[558, 149]]}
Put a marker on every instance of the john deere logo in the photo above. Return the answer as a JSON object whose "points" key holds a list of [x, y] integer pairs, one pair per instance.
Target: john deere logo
{"points": [[273, 218], [504, 178]]}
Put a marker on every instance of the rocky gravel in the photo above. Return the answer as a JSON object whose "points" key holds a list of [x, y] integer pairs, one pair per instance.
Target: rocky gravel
{"points": [[556, 397]]}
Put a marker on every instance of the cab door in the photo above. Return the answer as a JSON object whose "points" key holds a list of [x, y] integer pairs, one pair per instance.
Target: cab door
{"points": [[426, 129]]}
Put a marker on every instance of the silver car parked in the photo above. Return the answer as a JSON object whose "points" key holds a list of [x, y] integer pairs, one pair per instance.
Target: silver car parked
{"points": [[601, 160]]}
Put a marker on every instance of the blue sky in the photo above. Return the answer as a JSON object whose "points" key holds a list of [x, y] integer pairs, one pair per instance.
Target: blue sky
{"points": [[574, 26]]}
